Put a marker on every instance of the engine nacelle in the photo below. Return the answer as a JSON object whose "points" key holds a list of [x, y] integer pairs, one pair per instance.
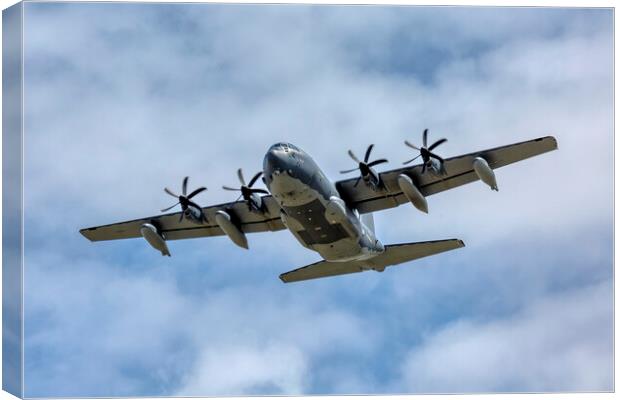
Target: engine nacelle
{"points": [[485, 173], [222, 218], [336, 213], [193, 214], [154, 238], [336, 210], [412, 193]]}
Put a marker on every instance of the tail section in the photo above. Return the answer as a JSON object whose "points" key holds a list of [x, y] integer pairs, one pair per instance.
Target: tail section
{"points": [[394, 254]]}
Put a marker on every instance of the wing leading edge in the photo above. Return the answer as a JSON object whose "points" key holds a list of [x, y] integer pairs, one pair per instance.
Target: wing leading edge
{"points": [[172, 229], [459, 170]]}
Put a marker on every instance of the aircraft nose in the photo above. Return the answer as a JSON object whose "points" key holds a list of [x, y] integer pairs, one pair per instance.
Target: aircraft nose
{"points": [[273, 161], [277, 160]]}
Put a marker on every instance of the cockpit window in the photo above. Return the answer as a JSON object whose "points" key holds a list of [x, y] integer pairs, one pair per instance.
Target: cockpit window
{"points": [[286, 147]]}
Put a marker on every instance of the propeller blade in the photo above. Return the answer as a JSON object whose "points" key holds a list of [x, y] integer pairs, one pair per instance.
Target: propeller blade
{"points": [[368, 151], [424, 137], [240, 175], [260, 191], [231, 189], [191, 203], [185, 185], [435, 156], [253, 180], [171, 193], [349, 170], [195, 192], [169, 208], [377, 162], [411, 145], [437, 143], [353, 156], [423, 167], [181, 217], [357, 181], [413, 159]]}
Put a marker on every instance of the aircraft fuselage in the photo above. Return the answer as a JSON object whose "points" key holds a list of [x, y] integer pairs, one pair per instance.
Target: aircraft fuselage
{"points": [[312, 208]]}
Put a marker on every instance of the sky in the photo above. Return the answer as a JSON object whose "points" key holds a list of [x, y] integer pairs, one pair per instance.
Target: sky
{"points": [[124, 99]]}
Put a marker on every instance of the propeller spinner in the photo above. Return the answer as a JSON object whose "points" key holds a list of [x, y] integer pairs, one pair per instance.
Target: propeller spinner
{"points": [[247, 190], [185, 199], [364, 166], [426, 152]]}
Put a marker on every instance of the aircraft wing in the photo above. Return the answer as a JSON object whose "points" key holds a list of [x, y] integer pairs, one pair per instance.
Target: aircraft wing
{"points": [[459, 170], [172, 229]]}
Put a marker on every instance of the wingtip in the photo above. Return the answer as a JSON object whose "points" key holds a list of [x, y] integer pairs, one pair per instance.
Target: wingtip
{"points": [[84, 233], [549, 137], [555, 141], [459, 242]]}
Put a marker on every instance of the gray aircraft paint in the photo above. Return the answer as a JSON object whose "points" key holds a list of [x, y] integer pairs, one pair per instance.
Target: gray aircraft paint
{"points": [[304, 192]]}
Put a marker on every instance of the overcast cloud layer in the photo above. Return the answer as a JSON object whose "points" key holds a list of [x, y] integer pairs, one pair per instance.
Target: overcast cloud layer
{"points": [[124, 99]]}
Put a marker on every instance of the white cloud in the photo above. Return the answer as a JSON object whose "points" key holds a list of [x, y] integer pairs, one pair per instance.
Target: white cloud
{"points": [[229, 341], [308, 90], [243, 370], [560, 343]]}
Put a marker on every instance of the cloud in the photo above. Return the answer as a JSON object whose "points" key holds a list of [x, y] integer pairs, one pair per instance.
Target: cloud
{"points": [[271, 370], [555, 344], [228, 341], [317, 88]]}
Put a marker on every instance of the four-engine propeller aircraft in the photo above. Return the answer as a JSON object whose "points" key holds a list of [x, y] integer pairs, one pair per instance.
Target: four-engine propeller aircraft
{"points": [[333, 219]]}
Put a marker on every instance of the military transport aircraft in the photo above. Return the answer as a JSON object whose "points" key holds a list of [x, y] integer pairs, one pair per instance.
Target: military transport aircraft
{"points": [[333, 219]]}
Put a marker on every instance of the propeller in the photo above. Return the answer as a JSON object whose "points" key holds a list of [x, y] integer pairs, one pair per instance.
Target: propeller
{"points": [[363, 166], [246, 190], [426, 152], [184, 199]]}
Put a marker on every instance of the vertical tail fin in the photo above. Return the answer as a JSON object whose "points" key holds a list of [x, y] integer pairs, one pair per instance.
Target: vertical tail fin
{"points": [[369, 221]]}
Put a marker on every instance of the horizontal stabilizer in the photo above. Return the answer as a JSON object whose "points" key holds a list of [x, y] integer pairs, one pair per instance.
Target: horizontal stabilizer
{"points": [[394, 254]]}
